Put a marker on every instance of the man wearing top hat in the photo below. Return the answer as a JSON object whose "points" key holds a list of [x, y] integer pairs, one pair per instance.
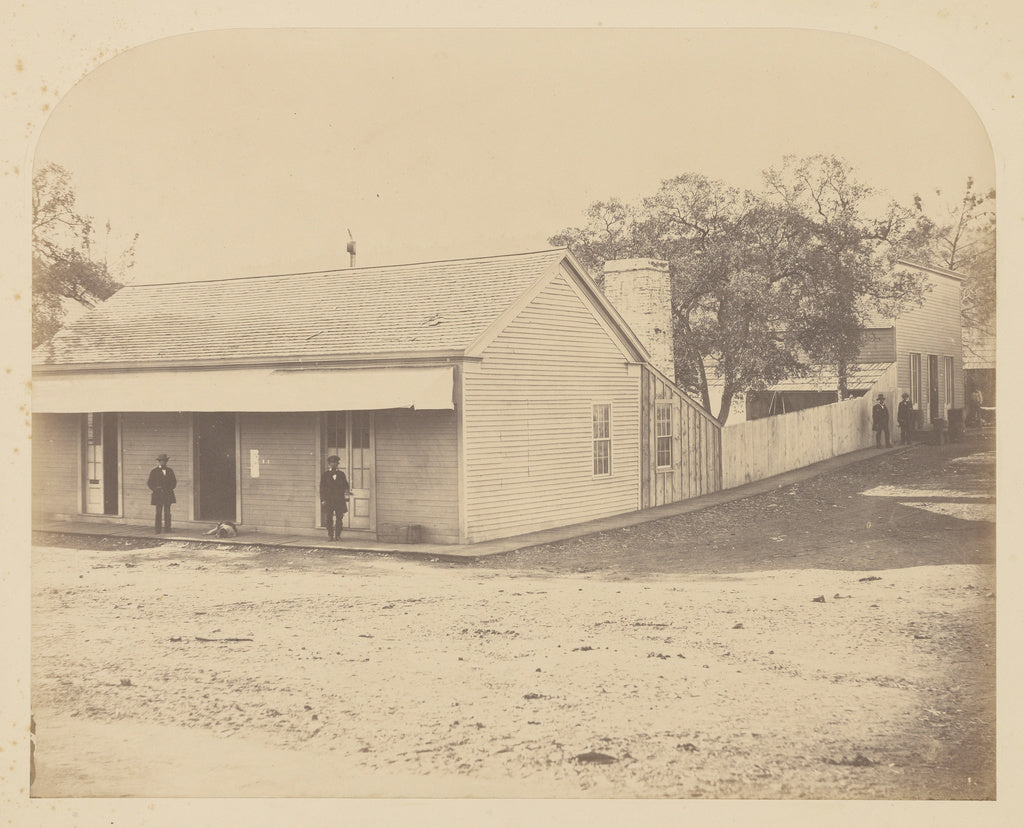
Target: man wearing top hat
{"points": [[333, 497], [161, 483], [880, 422]]}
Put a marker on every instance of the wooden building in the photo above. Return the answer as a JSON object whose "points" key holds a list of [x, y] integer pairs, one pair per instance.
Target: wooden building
{"points": [[924, 342], [471, 399]]}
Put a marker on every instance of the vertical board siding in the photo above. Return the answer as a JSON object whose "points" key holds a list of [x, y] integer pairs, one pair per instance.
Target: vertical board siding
{"points": [[143, 437], [647, 476], [286, 492], [762, 448], [696, 442], [55, 445], [417, 473], [528, 421], [934, 328]]}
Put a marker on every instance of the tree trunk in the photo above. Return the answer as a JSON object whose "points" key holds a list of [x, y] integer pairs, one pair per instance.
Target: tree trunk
{"points": [[723, 411], [842, 371], [705, 396]]}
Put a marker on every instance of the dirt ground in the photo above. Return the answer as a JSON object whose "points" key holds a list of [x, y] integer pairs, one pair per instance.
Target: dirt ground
{"points": [[833, 639]]}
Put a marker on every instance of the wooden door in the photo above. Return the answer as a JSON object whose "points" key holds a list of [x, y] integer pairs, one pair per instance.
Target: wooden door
{"points": [[101, 464], [360, 475], [349, 435], [216, 466], [93, 464]]}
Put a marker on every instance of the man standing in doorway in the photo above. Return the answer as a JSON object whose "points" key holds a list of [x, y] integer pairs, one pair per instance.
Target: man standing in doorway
{"points": [[880, 422], [161, 483], [334, 493]]}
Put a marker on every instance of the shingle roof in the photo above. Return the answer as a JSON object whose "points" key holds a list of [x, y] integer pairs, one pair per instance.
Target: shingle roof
{"points": [[403, 308]]}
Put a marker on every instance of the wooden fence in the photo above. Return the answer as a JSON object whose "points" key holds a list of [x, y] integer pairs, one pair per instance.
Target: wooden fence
{"points": [[762, 448]]}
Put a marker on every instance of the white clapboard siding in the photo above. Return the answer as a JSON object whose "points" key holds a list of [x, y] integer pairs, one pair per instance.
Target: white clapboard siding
{"points": [[528, 421], [286, 493], [933, 329], [56, 447], [417, 473], [143, 437], [763, 448]]}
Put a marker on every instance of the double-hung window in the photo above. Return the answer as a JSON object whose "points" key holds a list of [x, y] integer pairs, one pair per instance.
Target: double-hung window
{"points": [[602, 439], [915, 380], [663, 434]]}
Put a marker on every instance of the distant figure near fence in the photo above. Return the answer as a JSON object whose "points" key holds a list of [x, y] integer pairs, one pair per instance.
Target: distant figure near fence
{"points": [[905, 418], [974, 412], [880, 422]]}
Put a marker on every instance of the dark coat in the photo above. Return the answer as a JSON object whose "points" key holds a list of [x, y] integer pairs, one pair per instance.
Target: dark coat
{"points": [[333, 488], [162, 486], [905, 413], [880, 417]]}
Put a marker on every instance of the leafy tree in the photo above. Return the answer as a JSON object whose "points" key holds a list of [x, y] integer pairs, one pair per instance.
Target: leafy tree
{"points": [[716, 241], [847, 268], [762, 283], [66, 269]]}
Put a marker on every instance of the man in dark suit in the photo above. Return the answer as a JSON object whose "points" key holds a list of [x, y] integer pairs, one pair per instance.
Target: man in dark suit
{"points": [[880, 422], [334, 493], [905, 417], [161, 483]]}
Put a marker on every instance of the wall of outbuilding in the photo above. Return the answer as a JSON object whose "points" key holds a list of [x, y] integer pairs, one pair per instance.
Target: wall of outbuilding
{"points": [[284, 492], [56, 464], [417, 474], [528, 421], [143, 437]]}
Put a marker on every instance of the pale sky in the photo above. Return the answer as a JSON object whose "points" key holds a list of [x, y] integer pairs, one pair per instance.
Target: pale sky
{"points": [[246, 152]]}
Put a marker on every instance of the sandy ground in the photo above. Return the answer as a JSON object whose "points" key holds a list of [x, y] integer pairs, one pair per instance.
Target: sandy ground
{"points": [[394, 679], [222, 671]]}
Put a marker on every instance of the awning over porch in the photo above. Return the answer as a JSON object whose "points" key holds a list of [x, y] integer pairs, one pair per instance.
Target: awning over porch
{"points": [[252, 389]]}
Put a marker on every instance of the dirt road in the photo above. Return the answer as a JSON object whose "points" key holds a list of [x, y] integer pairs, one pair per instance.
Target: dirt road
{"points": [[834, 640]]}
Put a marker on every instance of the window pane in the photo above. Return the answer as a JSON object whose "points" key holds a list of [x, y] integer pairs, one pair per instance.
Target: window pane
{"points": [[663, 433], [602, 439], [334, 436], [360, 429], [602, 417], [664, 419]]}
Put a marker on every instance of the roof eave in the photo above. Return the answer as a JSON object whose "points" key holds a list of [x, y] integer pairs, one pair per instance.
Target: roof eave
{"points": [[325, 361], [938, 271]]}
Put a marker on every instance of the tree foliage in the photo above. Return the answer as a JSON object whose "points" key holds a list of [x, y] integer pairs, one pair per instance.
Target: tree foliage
{"points": [[848, 269], [762, 283], [963, 238], [67, 269]]}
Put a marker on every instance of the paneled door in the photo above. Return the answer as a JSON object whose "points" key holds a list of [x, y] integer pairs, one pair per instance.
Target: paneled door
{"points": [[101, 464], [349, 434]]}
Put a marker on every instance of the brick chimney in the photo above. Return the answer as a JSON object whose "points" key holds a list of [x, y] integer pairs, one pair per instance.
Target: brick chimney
{"points": [[641, 292]]}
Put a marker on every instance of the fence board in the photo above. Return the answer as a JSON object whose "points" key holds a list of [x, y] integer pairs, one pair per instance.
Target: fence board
{"points": [[763, 448]]}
